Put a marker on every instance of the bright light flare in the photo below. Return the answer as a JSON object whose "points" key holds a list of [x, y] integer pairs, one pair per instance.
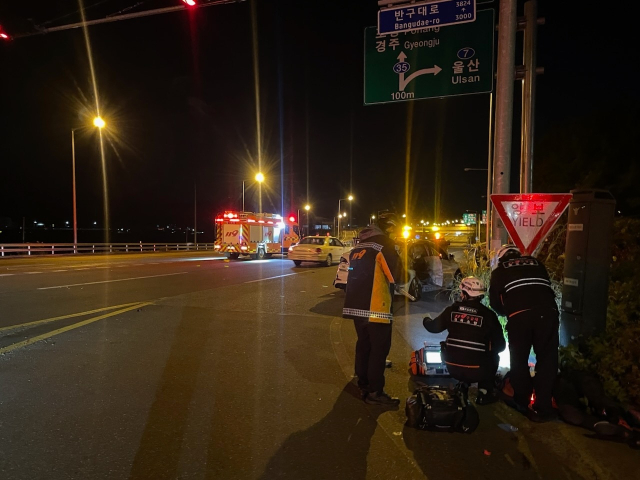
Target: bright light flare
{"points": [[307, 207], [191, 3], [4, 36], [99, 122], [406, 233], [350, 197], [259, 177]]}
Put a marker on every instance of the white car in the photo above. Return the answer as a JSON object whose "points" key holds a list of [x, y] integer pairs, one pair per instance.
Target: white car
{"points": [[318, 249], [413, 287]]}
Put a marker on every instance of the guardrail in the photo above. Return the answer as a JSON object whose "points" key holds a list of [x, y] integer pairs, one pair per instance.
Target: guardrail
{"points": [[28, 249]]}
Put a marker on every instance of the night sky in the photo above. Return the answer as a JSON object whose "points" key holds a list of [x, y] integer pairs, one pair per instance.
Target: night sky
{"points": [[177, 91]]}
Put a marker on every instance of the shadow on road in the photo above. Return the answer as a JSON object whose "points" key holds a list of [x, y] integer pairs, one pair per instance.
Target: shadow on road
{"points": [[159, 451], [335, 447], [331, 307]]}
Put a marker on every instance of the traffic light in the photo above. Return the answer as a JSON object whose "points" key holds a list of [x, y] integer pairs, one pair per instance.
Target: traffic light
{"points": [[292, 218], [4, 35], [189, 3]]}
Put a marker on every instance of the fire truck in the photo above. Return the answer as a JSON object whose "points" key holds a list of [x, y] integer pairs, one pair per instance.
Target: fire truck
{"points": [[258, 235]]}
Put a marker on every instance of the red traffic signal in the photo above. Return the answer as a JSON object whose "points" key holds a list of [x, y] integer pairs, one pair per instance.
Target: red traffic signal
{"points": [[4, 35], [190, 3], [292, 218]]}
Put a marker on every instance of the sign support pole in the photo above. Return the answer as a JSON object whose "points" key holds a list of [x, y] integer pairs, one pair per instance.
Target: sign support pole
{"points": [[489, 172], [528, 95], [504, 110]]}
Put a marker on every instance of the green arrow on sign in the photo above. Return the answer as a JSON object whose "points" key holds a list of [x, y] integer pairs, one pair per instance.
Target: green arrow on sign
{"points": [[428, 63]]}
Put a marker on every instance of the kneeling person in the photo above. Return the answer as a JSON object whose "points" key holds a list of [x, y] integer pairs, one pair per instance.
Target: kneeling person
{"points": [[475, 339]]}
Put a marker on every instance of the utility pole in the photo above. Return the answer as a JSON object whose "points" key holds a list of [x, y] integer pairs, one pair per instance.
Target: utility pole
{"points": [[530, 72], [504, 111], [195, 215]]}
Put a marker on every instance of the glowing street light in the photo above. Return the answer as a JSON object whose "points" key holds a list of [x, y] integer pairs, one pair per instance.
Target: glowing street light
{"points": [[350, 198], [259, 177], [99, 123]]}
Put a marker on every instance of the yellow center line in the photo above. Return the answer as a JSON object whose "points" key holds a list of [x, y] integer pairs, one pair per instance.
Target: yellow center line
{"points": [[81, 314], [70, 327]]}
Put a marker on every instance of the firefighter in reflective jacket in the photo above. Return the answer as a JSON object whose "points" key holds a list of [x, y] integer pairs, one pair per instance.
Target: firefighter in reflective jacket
{"points": [[520, 290], [374, 269], [475, 339]]}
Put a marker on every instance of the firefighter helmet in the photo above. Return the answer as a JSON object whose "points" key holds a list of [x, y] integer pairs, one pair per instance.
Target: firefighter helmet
{"points": [[472, 286], [508, 251]]}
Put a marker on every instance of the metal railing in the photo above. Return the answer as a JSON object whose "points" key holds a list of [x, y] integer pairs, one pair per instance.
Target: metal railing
{"points": [[28, 249]]}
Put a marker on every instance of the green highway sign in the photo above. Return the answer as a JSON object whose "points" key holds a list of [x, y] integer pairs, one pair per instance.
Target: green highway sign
{"points": [[431, 62], [469, 218]]}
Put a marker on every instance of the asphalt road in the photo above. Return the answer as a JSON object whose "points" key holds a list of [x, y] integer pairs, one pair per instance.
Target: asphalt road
{"points": [[170, 366]]}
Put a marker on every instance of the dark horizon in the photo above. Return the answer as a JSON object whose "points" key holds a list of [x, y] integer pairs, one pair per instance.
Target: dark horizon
{"points": [[178, 94]]}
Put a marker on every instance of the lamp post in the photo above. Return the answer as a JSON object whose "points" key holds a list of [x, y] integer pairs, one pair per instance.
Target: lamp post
{"points": [[350, 198], [98, 122], [258, 178], [488, 223], [307, 207]]}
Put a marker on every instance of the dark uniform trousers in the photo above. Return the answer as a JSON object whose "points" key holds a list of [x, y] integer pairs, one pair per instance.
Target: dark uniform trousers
{"points": [[372, 348], [537, 329], [484, 375]]}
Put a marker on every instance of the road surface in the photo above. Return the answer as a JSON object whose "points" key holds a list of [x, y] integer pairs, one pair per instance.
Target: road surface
{"points": [[183, 365]]}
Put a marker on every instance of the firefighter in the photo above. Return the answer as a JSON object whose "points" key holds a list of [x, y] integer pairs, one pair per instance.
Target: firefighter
{"points": [[475, 339], [374, 269], [520, 290]]}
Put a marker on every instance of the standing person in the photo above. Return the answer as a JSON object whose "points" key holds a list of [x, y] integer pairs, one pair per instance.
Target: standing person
{"points": [[374, 269], [475, 339], [520, 290]]}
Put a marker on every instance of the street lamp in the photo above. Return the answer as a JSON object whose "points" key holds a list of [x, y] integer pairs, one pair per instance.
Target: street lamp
{"points": [[99, 123], [488, 223], [307, 207], [258, 178], [350, 198]]}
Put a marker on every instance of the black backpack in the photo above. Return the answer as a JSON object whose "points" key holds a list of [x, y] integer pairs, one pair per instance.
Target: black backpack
{"points": [[435, 407]]}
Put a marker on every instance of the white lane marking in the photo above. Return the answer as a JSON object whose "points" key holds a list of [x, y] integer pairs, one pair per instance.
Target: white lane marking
{"points": [[78, 269], [271, 278], [31, 273], [56, 271], [111, 281], [7, 274]]}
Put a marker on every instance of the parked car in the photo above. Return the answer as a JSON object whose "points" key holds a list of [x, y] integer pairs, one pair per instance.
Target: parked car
{"points": [[413, 286], [317, 249]]}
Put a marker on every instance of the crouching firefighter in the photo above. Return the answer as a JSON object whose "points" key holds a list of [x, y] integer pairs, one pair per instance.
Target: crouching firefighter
{"points": [[475, 339], [374, 269]]}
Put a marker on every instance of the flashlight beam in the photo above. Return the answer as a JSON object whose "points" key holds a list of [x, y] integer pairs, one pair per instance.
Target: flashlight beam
{"points": [[126, 16]]}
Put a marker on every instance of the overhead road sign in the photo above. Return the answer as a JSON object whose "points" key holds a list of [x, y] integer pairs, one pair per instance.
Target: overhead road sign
{"points": [[429, 63], [529, 217], [419, 15], [469, 218]]}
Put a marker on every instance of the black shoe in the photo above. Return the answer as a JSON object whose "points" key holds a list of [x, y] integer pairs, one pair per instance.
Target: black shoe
{"points": [[607, 429], [540, 416], [375, 398], [486, 398], [364, 390]]}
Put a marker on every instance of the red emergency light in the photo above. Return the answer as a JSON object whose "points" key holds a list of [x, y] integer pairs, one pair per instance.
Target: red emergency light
{"points": [[4, 35]]}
